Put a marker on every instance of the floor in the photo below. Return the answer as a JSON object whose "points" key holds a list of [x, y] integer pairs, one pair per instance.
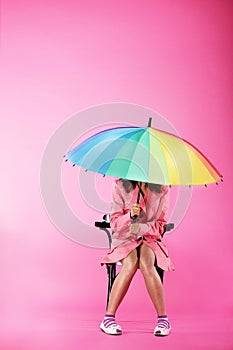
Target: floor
{"points": [[56, 332]]}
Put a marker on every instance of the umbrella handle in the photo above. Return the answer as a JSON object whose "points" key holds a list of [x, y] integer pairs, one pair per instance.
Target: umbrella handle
{"points": [[134, 220], [139, 192]]}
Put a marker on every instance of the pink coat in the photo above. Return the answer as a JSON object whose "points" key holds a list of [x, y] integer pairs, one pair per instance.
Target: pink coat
{"points": [[152, 222]]}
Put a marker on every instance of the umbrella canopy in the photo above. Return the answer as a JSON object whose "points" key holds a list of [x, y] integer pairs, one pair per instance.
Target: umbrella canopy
{"points": [[144, 154]]}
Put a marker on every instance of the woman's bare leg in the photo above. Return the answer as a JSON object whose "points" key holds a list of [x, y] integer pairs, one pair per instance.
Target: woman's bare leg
{"points": [[152, 280], [122, 282]]}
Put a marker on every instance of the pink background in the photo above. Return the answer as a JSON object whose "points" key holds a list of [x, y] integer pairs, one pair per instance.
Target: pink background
{"points": [[58, 57]]}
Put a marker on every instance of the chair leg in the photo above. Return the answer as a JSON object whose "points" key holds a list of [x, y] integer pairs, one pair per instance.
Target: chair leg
{"points": [[111, 271], [160, 272]]}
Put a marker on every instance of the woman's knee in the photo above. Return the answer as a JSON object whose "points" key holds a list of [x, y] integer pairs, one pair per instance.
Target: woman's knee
{"points": [[146, 267], [147, 262]]}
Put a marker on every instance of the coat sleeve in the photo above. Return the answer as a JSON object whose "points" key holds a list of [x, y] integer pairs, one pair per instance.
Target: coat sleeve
{"points": [[119, 217], [157, 226]]}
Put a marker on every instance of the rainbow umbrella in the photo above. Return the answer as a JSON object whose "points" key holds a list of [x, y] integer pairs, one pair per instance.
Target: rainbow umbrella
{"points": [[146, 155]]}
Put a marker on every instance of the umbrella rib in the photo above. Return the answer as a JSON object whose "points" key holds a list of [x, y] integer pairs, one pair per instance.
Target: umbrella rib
{"points": [[143, 130], [206, 161], [105, 166], [199, 157]]}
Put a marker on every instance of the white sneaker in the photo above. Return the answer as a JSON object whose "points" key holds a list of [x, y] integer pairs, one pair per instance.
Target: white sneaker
{"points": [[162, 331], [114, 329]]}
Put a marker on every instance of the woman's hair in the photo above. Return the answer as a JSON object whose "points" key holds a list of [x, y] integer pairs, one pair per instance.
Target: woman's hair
{"points": [[130, 185]]}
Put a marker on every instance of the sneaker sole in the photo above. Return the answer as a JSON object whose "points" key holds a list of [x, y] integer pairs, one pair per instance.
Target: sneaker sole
{"points": [[111, 333], [105, 330], [161, 334]]}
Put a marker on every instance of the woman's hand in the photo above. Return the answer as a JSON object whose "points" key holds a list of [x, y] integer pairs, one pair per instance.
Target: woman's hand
{"points": [[134, 229], [135, 210]]}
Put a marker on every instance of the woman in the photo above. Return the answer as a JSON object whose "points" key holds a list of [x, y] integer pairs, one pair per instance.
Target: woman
{"points": [[138, 245]]}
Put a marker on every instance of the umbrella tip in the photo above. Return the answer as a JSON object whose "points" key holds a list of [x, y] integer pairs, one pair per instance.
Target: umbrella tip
{"points": [[149, 122]]}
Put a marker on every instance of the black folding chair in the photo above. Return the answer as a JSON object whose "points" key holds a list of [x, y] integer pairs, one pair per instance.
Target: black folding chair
{"points": [[111, 268]]}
